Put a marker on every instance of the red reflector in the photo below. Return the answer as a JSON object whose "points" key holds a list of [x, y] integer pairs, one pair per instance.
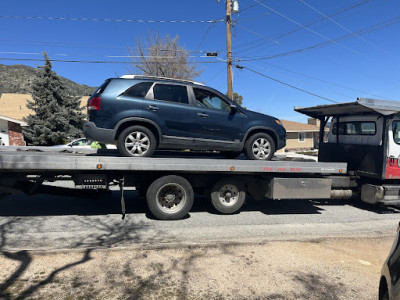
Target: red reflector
{"points": [[94, 103]]}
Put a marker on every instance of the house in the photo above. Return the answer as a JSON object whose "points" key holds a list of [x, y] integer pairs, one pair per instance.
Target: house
{"points": [[301, 136], [11, 132], [14, 105], [13, 112]]}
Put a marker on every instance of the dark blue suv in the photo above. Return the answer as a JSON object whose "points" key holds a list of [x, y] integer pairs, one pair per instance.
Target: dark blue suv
{"points": [[141, 114]]}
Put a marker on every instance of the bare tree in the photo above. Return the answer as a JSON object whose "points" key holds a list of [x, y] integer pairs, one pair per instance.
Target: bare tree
{"points": [[156, 56]]}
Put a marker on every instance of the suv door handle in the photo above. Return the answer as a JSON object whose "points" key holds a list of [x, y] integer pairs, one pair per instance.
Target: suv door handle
{"points": [[153, 107], [203, 115]]}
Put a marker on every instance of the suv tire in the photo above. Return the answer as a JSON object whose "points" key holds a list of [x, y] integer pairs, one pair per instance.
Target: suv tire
{"points": [[137, 141], [260, 146]]}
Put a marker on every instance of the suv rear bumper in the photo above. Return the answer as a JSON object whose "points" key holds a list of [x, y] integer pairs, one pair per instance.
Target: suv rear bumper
{"points": [[95, 133]]}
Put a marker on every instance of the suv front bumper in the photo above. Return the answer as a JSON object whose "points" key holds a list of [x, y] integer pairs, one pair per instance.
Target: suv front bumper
{"points": [[95, 133]]}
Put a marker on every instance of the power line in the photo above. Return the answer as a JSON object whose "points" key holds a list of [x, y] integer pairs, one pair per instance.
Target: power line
{"points": [[368, 29], [323, 80], [205, 35], [343, 27], [244, 9], [313, 31], [256, 33], [287, 84], [102, 62], [252, 19], [279, 36], [71, 45], [111, 20], [108, 56]]}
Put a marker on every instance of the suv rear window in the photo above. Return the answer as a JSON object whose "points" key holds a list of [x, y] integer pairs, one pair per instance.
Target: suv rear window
{"points": [[172, 93], [101, 88], [138, 90]]}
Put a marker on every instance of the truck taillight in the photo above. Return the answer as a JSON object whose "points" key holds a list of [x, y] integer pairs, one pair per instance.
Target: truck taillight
{"points": [[94, 103]]}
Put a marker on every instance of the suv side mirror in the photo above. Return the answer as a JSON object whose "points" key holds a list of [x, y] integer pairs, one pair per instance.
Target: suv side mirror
{"points": [[233, 108]]}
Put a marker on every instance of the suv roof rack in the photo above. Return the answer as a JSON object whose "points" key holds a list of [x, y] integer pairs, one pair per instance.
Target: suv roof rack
{"points": [[160, 78]]}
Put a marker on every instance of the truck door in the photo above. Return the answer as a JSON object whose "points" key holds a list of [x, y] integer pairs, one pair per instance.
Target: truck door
{"points": [[393, 151]]}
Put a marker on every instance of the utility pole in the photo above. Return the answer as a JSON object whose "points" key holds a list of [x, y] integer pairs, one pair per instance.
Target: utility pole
{"points": [[229, 48]]}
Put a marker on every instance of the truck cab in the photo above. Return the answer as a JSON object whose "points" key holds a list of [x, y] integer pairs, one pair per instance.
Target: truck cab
{"points": [[366, 135]]}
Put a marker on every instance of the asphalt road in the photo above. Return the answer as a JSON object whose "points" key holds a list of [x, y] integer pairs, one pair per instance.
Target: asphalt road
{"points": [[44, 222]]}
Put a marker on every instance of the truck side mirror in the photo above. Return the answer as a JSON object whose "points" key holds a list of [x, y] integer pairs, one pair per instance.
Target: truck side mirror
{"points": [[233, 108]]}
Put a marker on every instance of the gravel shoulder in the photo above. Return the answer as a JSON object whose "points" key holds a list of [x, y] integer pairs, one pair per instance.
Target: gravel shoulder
{"points": [[332, 268]]}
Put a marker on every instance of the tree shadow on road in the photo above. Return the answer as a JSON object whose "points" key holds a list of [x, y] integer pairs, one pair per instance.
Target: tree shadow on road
{"points": [[15, 286], [318, 287]]}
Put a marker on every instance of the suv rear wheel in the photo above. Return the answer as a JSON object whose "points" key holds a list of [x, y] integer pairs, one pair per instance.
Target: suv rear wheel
{"points": [[136, 141], [260, 146]]}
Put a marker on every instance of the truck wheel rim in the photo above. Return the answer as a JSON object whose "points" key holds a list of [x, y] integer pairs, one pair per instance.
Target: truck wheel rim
{"points": [[261, 148], [171, 197], [137, 143], [228, 195]]}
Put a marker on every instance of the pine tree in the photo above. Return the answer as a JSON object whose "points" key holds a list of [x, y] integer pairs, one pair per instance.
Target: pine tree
{"points": [[57, 116]]}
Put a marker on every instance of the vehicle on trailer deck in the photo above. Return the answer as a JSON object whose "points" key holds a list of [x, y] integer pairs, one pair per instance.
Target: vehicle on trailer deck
{"points": [[361, 157]]}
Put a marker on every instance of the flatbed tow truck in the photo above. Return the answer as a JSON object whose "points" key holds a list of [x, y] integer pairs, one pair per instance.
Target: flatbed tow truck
{"points": [[359, 157]]}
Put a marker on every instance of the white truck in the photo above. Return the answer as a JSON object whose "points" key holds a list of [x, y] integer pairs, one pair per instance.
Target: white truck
{"points": [[359, 157]]}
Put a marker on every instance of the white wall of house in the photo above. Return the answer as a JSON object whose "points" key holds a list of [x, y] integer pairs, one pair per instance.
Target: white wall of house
{"points": [[4, 141]]}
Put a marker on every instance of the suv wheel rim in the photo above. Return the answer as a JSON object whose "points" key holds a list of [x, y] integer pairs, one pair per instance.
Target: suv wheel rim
{"points": [[137, 143], [261, 148]]}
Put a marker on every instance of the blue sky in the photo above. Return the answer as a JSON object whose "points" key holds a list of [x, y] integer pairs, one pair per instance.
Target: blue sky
{"points": [[356, 51]]}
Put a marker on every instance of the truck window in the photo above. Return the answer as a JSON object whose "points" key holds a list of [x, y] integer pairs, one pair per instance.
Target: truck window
{"points": [[396, 132], [355, 128]]}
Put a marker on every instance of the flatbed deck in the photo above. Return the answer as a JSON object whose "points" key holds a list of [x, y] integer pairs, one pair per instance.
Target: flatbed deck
{"points": [[60, 162]]}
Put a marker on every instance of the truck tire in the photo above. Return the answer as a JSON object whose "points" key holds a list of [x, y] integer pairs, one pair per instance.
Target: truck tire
{"points": [[170, 197], [228, 195], [260, 146], [137, 141]]}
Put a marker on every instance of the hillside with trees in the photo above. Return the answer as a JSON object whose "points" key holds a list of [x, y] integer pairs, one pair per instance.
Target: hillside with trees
{"points": [[18, 79]]}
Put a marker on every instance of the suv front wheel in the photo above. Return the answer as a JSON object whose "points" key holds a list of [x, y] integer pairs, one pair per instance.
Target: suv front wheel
{"points": [[136, 141], [260, 146]]}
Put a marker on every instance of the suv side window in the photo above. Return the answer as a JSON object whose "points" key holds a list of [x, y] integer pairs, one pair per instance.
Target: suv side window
{"points": [[172, 93], [138, 90], [208, 99]]}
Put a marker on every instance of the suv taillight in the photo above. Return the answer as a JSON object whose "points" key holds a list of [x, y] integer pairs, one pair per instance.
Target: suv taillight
{"points": [[94, 103]]}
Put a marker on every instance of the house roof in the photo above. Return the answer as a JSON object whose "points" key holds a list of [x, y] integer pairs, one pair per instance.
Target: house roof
{"points": [[22, 123], [14, 105], [291, 126]]}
